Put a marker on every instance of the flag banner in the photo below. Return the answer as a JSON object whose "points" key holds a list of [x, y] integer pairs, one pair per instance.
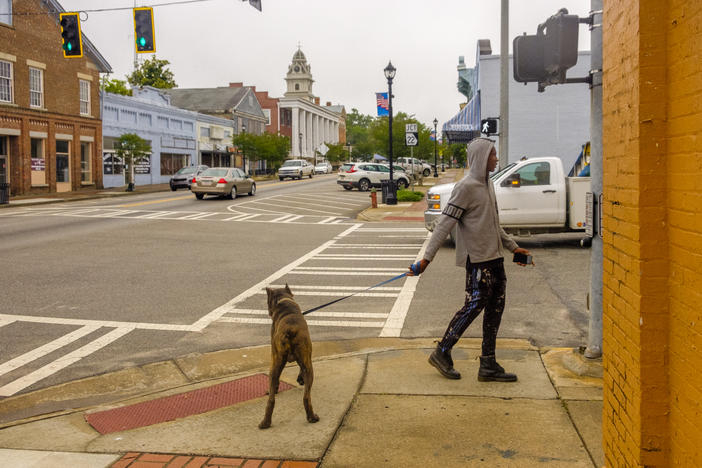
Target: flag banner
{"points": [[381, 101]]}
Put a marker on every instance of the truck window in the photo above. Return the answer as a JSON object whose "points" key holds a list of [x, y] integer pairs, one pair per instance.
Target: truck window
{"points": [[535, 174]]}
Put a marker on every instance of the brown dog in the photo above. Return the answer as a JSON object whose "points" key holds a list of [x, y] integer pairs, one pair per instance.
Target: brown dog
{"points": [[290, 341]]}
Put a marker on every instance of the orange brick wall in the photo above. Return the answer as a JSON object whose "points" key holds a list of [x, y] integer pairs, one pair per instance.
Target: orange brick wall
{"points": [[652, 162]]}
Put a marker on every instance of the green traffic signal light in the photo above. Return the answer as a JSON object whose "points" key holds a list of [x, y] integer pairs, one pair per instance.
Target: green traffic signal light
{"points": [[70, 32], [144, 30]]}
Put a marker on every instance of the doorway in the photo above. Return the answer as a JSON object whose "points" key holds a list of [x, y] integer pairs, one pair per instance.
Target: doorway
{"points": [[4, 160], [63, 166]]}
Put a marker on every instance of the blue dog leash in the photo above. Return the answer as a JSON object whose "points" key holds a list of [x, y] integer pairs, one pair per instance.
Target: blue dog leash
{"points": [[415, 270]]}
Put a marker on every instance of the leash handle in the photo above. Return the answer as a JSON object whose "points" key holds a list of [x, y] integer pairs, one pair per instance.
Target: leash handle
{"points": [[415, 268]]}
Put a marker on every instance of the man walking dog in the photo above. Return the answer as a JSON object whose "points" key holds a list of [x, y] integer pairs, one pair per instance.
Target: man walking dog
{"points": [[480, 244]]}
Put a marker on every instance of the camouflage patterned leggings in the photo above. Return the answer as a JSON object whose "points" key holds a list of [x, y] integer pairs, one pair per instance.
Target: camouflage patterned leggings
{"points": [[485, 289]]}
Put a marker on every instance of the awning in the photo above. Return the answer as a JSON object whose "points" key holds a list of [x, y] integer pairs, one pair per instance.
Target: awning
{"points": [[464, 126], [377, 157]]}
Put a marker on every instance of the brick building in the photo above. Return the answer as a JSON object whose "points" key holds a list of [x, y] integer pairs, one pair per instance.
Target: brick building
{"points": [[50, 127], [652, 232]]}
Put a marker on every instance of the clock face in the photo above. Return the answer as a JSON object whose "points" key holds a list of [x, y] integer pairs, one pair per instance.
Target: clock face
{"points": [[297, 69]]}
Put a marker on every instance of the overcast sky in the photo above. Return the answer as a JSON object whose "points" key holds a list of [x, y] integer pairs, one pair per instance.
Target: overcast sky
{"points": [[347, 44]]}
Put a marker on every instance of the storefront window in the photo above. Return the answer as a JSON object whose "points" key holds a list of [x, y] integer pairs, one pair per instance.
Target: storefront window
{"points": [[86, 169], [172, 163], [38, 162], [112, 164], [62, 161]]}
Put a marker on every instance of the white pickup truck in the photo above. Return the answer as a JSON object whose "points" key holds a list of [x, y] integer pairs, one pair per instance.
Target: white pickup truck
{"points": [[533, 196]]}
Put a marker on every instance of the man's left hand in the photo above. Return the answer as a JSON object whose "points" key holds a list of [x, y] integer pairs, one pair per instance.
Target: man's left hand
{"points": [[525, 252]]}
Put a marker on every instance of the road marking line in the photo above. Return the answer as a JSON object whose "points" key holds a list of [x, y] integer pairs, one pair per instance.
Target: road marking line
{"points": [[326, 220], [320, 323], [374, 259], [99, 323], [396, 321], [234, 218], [63, 362], [366, 255], [115, 213], [349, 231], [315, 314], [153, 202], [156, 214], [217, 313], [298, 208], [50, 347], [392, 230], [379, 247], [338, 293], [4, 322], [292, 219], [277, 197], [318, 196], [197, 215], [280, 218], [80, 212], [396, 270], [248, 217]]}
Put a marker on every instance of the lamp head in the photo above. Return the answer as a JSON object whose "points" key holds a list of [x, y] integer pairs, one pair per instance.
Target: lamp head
{"points": [[389, 71], [435, 122]]}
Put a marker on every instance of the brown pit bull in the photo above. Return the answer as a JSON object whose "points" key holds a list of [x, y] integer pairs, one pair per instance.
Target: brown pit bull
{"points": [[290, 341]]}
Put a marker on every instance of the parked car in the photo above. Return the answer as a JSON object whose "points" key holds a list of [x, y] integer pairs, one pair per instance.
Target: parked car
{"points": [[363, 176], [420, 167], [323, 168], [222, 181], [184, 177], [295, 169]]}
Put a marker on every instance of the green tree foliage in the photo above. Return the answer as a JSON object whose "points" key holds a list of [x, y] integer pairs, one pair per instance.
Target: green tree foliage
{"points": [[153, 72], [336, 153], [357, 135], [115, 86], [131, 147], [268, 147], [456, 151]]}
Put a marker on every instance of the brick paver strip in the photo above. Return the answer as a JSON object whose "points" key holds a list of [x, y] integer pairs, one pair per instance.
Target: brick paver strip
{"points": [[178, 462], [181, 405], [219, 461]]}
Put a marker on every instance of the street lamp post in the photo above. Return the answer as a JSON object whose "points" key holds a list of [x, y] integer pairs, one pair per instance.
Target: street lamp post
{"points": [[392, 193], [243, 149], [436, 174], [299, 136]]}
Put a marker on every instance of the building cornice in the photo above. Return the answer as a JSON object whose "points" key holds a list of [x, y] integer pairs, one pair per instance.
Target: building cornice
{"points": [[292, 103]]}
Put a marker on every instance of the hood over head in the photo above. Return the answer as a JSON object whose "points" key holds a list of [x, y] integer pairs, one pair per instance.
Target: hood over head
{"points": [[477, 155]]}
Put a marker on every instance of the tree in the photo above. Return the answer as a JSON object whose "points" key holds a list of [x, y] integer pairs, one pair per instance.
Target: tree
{"points": [[153, 72], [336, 153], [271, 148], [357, 135], [131, 147], [115, 86]]}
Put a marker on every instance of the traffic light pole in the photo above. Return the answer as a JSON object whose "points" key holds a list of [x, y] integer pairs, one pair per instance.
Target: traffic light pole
{"points": [[594, 342], [504, 85]]}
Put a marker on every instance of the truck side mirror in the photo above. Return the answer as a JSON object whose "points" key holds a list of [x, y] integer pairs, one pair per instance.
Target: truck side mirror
{"points": [[512, 181]]}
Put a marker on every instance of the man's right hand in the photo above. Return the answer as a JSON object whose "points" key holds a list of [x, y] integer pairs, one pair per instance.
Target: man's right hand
{"points": [[423, 264]]}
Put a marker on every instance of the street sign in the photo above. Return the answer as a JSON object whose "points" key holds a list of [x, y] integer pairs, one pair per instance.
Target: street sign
{"points": [[411, 128], [323, 149], [412, 139]]}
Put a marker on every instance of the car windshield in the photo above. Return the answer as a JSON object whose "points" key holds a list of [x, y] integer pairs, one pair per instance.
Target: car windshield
{"points": [[497, 174], [215, 173], [292, 163], [186, 170]]}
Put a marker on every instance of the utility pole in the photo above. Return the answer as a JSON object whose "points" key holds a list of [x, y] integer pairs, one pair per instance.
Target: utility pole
{"points": [[504, 85], [594, 342]]}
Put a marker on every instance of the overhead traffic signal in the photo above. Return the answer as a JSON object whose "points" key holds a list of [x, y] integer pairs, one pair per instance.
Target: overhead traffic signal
{"points": [[144, 30], [545, 57], [70, 32]]}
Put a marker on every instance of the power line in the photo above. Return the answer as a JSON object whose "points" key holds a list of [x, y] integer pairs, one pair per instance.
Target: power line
{"points": [[100, 10]]}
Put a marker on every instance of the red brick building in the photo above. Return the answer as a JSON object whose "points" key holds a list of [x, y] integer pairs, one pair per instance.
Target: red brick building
{"points": [[50, 126]]}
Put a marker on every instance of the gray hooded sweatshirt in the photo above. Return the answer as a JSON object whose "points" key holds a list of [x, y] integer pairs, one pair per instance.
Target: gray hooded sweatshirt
{"points": [[473, 206]]}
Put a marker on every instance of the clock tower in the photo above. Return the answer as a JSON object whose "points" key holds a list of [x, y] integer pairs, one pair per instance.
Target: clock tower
{"points": [[299, 78]]}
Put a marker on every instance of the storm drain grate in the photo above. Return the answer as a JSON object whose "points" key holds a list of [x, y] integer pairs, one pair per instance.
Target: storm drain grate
{"points": [[181, 405]]}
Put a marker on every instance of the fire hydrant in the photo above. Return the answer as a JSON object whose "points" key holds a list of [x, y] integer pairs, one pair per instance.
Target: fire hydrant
{"points": [[374, 199]]}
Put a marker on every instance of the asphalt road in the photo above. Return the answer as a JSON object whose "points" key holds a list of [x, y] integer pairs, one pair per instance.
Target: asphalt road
{"points": [[96, 286]]}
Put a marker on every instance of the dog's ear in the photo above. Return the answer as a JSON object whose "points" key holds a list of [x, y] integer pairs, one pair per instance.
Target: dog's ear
{"points": [[269, 291], [287, 288]]}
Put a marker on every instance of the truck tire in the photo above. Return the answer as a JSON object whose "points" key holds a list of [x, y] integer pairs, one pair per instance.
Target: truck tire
{"points": [[426, 172]]}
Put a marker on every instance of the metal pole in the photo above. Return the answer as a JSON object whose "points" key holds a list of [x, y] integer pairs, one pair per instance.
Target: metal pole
{"points": [[391, 199], [504, 85], [436, 162], [594, 342]]}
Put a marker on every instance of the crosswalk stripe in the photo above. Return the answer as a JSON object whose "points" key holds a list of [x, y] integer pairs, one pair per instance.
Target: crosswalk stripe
{"points": [[338, 293], [347, 273], [280, 218], [290, 220], [395, 270], [320, 323], [339, 288], [316, 313]]}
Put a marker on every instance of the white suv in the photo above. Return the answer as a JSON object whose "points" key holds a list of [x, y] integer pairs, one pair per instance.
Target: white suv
{"points": [[363, 176], [295, 169]]}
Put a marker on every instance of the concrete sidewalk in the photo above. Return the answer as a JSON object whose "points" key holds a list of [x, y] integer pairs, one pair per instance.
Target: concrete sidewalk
{"points": [[380, 404]]}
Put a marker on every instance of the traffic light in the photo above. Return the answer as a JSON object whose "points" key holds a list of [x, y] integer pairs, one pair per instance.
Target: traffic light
{"points": [[488, 126], [144, 30], [70, 32], [545, 57]]}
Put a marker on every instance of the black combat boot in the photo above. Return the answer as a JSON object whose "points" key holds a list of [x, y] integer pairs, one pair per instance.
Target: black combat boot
{"points": [[443, 363], [491, 371]]}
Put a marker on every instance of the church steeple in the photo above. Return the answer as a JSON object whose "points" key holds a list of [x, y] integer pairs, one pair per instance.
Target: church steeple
{"points": [[299, 77]]}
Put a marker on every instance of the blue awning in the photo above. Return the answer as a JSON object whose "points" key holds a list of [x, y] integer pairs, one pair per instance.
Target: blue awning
{"points": [[465, 125]]}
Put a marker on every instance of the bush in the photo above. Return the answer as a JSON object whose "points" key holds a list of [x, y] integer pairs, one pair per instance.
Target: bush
{"points": [[409, 196]]}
